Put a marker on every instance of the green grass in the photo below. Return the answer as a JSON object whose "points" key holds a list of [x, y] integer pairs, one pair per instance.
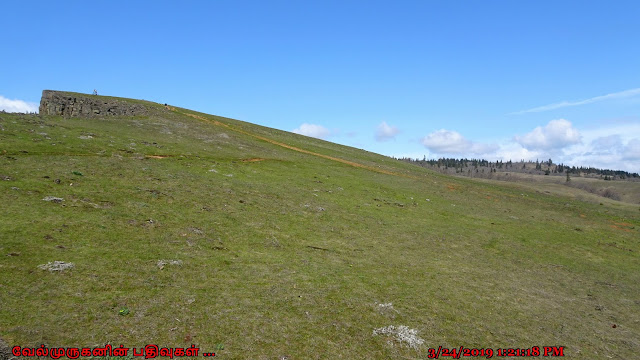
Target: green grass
{"points": [[290, 256]]}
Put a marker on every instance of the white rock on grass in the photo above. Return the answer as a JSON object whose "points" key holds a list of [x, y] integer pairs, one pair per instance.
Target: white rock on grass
{"points": [[53, 198], [402, 334], [162, 263], [56, 266], [386, 307]]}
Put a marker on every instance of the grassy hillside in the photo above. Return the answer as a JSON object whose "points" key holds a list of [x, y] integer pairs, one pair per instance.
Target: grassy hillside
{"points": [[186, 228]]}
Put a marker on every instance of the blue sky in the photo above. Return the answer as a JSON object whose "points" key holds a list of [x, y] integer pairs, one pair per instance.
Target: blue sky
{"points": [[491, 79]]}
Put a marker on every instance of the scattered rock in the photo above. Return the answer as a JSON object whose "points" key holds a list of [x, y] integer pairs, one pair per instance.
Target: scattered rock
{"points": [[401, 334], [53, 199], [162, 263], [56, 266], [150, 222], [387, 310], [5, 351], [196, 230], [387, 306]]}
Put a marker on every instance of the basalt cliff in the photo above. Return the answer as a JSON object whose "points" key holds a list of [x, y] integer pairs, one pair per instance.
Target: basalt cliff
{"points": [[81, 105]]}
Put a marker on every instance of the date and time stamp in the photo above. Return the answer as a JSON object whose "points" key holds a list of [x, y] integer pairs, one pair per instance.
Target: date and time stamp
{"points": [[489, 353]]}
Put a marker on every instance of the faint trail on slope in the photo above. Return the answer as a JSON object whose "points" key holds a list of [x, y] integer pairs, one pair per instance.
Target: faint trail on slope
{"points": [[354, 164]]}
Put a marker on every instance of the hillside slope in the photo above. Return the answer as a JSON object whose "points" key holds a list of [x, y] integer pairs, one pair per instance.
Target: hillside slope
{"points": [[186, 228]]}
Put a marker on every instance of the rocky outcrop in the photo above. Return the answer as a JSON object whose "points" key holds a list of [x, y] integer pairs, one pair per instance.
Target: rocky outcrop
{"points": [[80, 105], [5, 351]]}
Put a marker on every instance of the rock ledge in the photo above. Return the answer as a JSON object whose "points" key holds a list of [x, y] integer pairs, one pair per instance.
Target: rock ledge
{"points": [[80, 105]]}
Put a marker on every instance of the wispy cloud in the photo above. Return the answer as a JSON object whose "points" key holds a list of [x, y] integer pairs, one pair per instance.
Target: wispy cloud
{"points": [[618, 95], [19, 106]]}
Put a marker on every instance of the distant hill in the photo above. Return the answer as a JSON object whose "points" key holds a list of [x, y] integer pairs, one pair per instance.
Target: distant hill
{"points": [[172, 227], [613, 184], [471, 167]]}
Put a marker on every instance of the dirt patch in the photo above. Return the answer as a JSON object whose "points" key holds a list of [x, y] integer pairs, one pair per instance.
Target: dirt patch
{"points": [[253, 160], [620, 228], [452, 187], [157, 156]]}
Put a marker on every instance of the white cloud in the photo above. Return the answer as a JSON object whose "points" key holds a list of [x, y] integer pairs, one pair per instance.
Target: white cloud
{"points": [[445, 141], [386, 132], [618, 95], [316, 131], [612, 146], [510, 150], [555, 135], [632, 150], [606, 143], [17, 105], [452, 142]]}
